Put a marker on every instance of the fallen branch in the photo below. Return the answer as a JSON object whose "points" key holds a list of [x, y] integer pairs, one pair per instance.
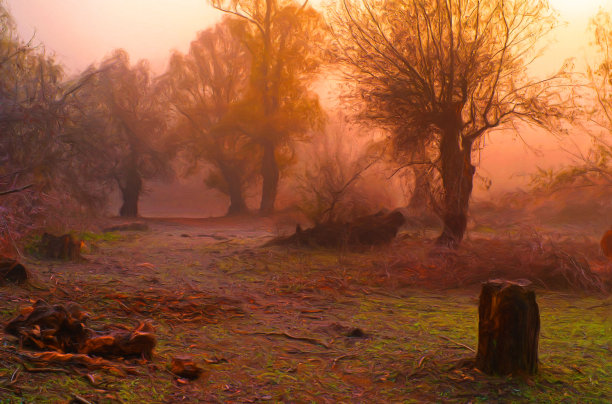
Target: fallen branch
{"points": [[44, 370], [457, 343], [339, 358], [286, 335], [80, 399], [15, 190]]}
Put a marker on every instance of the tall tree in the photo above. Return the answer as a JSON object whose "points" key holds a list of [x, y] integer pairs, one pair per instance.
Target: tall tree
{"points": [[39, 166], [126, 127], [204, 87], [282, 38], [451, 70]]}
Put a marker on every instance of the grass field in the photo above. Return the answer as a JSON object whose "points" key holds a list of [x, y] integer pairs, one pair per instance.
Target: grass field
{"points": [[293, 325]]}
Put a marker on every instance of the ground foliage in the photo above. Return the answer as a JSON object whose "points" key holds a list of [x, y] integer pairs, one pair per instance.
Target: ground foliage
{"points": [[288, 324]]}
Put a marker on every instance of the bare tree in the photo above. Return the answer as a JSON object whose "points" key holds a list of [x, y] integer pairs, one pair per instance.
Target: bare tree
{"points": [[333, 185], [282, 38], [451, 71]]}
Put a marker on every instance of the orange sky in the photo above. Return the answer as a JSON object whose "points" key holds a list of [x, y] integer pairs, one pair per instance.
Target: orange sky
{"points": [[80, 32]]}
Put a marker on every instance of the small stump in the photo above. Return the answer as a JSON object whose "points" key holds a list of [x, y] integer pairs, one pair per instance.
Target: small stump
{"points": [[508, 328], [12, 271], [63, 247]]}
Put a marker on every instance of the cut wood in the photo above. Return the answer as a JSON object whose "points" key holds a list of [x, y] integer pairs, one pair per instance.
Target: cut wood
{"points": [[508, 328]]}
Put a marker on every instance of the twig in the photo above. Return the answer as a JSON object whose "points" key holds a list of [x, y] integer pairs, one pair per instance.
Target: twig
{"points": [[600, 305], [15, 375], [286, 335], [340, 358], [457, 343], [80, 399], [44, 370], [15, 190]]}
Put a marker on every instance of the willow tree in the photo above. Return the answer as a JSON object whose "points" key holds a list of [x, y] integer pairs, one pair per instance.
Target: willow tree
{"points": [[449, 71], [282, 38], [204, 87], [124, 125]]}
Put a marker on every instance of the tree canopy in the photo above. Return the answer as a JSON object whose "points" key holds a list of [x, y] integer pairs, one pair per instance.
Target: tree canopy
{"points": [[282, 38], [124, 125], [205, 87], [447, 71]]}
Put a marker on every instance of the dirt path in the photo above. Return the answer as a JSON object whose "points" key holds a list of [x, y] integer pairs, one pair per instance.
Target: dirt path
{"points": [[287, 325]]}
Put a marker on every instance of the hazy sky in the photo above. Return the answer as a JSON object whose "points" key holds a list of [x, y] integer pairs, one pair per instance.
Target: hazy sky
{"points": [[83, 31], [80, 32]]}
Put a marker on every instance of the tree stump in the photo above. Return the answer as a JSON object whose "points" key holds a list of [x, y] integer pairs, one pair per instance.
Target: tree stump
{"points": [[508, 328], [63, 247], [12, 271]]}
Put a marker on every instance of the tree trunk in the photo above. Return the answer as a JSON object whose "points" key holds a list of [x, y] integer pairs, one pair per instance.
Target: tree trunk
{"points": [[234, 188], [130, 191], [419, 200], [270, 175], [508, 328], [457, 181]]}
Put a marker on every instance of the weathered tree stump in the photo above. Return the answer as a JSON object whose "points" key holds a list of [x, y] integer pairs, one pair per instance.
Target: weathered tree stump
{"points": [[12, 271], [63, 247], [508, 328]]}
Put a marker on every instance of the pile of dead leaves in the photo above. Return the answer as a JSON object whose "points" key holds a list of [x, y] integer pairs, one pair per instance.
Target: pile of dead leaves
{"points": [[61, 332]]}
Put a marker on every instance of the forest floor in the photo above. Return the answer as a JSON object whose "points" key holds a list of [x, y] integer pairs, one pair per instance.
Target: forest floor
{"points": [[271, 324]]}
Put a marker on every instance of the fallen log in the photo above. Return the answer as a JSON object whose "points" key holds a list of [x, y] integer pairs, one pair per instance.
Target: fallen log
{"points": [[12, 271], [369, 230], [508, 328]]}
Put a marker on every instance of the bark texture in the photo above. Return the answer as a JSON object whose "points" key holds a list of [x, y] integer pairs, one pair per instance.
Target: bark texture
{"points": [[457, 180], [508, 328], [270, 176], [234, 188], [130, 192]]}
